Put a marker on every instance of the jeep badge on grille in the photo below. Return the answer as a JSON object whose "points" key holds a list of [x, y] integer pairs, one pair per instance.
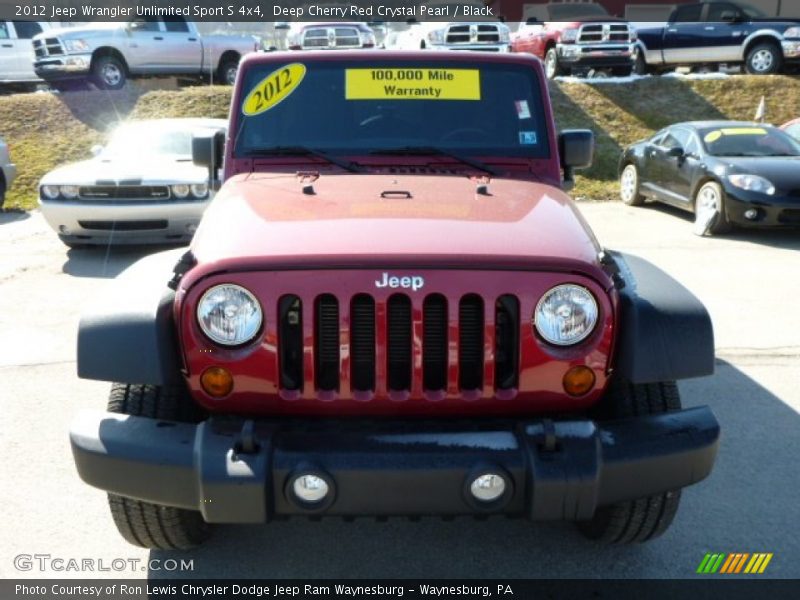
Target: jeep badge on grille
{"points": [[414, 282]]}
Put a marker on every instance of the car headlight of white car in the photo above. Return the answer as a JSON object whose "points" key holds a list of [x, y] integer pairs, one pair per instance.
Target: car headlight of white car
{"points": [[367, 38], [568, 36], [753, 183], [566, 315], [199, 190], [436, 36], [69, 191], [229, 314], [50, 192], [505, 35], [76, 45]]}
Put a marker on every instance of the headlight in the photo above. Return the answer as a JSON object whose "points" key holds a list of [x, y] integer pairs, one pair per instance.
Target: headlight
{"points": [[229, 315], [69, 191], [753, 183], [367, 39], [436, 36], [76, 45], [505, 35], [569, 35], [199, 190], [792, 32], [181, 190], [566, 314], [51, 191]]}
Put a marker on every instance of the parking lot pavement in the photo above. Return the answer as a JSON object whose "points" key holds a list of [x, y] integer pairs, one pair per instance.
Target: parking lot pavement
{"points": [[749, 504]]}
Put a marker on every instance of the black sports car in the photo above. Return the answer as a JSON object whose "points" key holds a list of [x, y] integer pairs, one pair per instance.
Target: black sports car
{"points": [[725, 172]]}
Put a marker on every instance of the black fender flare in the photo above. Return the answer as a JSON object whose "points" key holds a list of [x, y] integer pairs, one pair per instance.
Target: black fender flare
{"points": [[664, 332], [128, 334]]}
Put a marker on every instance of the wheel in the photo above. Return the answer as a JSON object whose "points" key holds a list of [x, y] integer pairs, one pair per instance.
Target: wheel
{"points": [[709, 210], [622, 71], [108, 73], [629, 186], [2, 190], [227, 71], [552, 68], [643, 519], [763, 59], [143, 523], [640, 66]]}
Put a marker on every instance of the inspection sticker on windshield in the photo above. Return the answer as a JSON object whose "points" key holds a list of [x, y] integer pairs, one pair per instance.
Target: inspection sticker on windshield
{"points": [[523, 112], [713, 136], [412, 84], [273, 89], [527, 138]]}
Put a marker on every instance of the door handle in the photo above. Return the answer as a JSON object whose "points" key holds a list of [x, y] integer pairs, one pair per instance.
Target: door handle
{"points": [[159, 38], [710, 28], [673, 30], [192, 39], [8, 45]]}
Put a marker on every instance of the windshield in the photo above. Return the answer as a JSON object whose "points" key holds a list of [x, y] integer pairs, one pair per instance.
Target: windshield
{"points": [[567, 12], [359, 107], [149, 140], [749, 141]]}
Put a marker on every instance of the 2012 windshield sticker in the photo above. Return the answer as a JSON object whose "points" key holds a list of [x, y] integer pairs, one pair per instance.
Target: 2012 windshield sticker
{"points": [[273, 89], [412, 84]]}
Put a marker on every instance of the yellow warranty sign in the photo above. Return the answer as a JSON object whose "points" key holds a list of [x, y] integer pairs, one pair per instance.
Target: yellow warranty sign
{"points": [[273, 89], [412, 84], [713, 136]]}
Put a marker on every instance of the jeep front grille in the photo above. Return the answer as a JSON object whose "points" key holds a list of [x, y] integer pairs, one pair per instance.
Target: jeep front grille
{"points": [[599, 33], [331, 37], [365, 341], [47, 47], [473, 34]]}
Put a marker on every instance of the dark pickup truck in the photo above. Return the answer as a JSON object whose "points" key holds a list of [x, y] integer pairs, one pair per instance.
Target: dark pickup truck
{"points": [[708, 34]]}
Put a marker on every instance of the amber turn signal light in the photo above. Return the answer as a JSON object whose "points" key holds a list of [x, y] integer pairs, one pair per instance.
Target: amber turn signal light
{"points": [[216, 382], [578, 380]]}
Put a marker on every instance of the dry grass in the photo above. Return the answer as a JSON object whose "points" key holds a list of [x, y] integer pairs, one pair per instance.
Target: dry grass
{"points": [[46, 130]]}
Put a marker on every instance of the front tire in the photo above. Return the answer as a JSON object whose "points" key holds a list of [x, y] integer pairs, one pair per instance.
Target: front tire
{"points": [[109, 73], [629, 191], [227, 72], [143, 523], [765, 58], [552, 66], [643, 519], [709, 210]]}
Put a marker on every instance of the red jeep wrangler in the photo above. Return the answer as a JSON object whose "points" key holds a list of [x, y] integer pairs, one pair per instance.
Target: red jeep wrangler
{"points": [[391, 308]]}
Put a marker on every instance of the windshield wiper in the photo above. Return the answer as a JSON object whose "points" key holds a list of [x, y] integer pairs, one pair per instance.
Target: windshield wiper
{"points": [[423, 150], [303, 151]]}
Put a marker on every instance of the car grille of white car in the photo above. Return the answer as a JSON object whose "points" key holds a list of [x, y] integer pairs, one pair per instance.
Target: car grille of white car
{"points": [[473, 34], [594, 33], [123, 192], [47, 47], [331, 37]]}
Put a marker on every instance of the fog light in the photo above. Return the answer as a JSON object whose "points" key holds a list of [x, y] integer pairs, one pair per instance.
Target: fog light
{"points": [[63, 229], [310, 489], [751, 214], [578, 380], [488, 487], [216, 382]]}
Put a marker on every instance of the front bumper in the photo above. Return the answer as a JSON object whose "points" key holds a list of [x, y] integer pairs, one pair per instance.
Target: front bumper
{"points": [[560, 470], [771, 211], [131, 222], [594, 56], [503, 47], [67, 66]]}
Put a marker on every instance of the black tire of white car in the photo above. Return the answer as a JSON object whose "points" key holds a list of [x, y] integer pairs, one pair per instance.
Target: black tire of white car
{"points": [[143, 523], [764, 58], [227, 72], [109, 73], [709, 210], [643, 519], [551, 65], [629, 186]]}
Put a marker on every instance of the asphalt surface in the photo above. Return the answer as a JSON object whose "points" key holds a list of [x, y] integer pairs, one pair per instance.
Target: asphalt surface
{"points": [[749, 504]]}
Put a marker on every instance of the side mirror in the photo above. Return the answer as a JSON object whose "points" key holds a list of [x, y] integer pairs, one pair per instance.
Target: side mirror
{"points": [[576, 151], [729, 16], [208, 150], [281, 25], [677, 152], [532, 21], [96, 150]]}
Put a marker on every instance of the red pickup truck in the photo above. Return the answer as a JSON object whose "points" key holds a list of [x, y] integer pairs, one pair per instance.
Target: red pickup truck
{"points": [[392, 308], [575, 39]]}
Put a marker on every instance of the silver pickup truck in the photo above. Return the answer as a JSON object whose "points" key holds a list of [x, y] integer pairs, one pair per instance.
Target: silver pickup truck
{"points": [[107, 54], [16, 54]]}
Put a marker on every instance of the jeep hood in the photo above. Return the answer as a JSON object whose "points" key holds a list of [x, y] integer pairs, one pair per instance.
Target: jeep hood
{"points": [[263, 220]]}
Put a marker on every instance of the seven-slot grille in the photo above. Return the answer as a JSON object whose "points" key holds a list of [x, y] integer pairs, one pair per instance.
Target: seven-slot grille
{"points": [[123, 192], [595, 33], [331, 37], [384, 337], [472, 34], [47, 47]]}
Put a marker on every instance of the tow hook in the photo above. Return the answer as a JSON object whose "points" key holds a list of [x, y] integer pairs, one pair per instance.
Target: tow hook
{"points": [[246, 442]]}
